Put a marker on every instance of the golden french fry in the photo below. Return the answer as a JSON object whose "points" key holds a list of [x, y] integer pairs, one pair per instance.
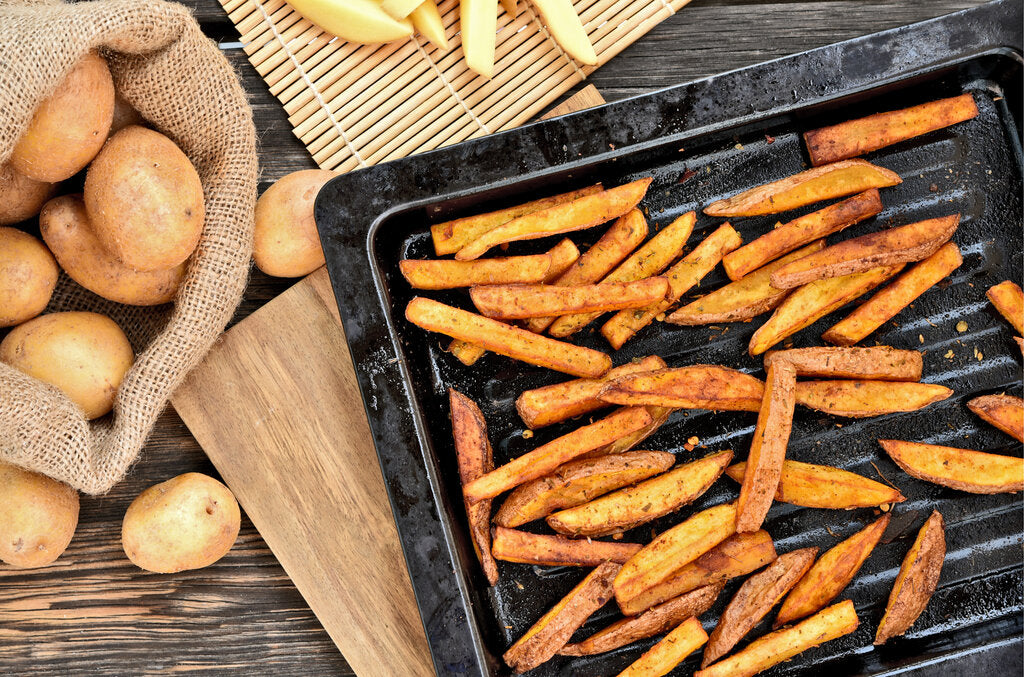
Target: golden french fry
{"points": [[1008, 298], [565, 27], [1003, 411], [976, 472], [860, 399], [673, 648], [699, 386], [877, 363], [466, 353], [448, 274], [623, 444], [916, 581], [520, 301], [426, 19], [478, 23], [512, 545], [822, 486]]}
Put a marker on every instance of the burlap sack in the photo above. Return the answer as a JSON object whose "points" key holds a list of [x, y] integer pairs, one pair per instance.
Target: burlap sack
{"points": [[180, 82]]}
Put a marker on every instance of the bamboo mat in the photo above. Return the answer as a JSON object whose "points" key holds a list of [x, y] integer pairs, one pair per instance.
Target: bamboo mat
{"points": [[357, 105]]}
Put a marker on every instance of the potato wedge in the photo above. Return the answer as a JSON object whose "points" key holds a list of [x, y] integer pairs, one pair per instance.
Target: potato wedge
{"points": [[822, 486], [1003, 411], [427, 21], [624, 444], [465, 352], [860, 399], [878, 363], [831, 573], [788, 236], [566, 28], [774, 648], [673, 648], [699, 386], [814, 185], [976, 472], [1008, 298], [448, 274], [475, 458], [916, 581], [863, 135], [577, 482], [512, 545], [584, 212], [478, 25], [630, 507], [546, 458], [521, 301], [553, 630]]}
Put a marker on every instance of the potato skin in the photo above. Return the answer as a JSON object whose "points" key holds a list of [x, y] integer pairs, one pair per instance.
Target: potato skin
{"points": [[28, 274], [66, 229], [286, 243], [20, 196], [69, 128], [145, 200], [187, 522], [85, 355], [38, 517]]}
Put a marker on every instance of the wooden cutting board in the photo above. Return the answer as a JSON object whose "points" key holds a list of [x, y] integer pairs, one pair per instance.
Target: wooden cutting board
{"points": [[276, 407]]}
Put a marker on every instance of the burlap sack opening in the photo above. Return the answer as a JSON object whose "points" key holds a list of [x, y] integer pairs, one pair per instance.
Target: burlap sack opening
{"points": [[180, 82]]}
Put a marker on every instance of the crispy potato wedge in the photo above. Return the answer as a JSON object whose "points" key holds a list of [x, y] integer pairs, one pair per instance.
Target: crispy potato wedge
{"points": [[553, 630], [788, 236], [831, 573], [806, 305], [822, 486], [577, 482], [1008, 298], [521, 301], [877, 363], [863, 135], [828, 624], [916, 581], [506, 340], [814, 185], [673, 648], [512, 545], [976, 472], [465, 352], [860, 399], [448, 274], [1005, 412], [546, 458], [653, 498], [624, 444], [699, 386], [742, 299]]}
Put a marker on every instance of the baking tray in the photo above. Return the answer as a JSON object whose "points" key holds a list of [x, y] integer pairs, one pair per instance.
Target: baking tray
{"points": [[702, 141]]}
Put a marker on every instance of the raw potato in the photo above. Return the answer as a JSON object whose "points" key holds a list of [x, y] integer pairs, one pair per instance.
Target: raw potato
{"points": [[860, 399], [1003, 411], [124, 115], [285, 239], [65, 227], [699, 386], [822, 486], [878, 363], [188, 522], [145, 200], [68, 129], [565, 26], [664, 656], [1008, 298], [38, 517], [976, 472], [85, 355], [916, 581], [28, 274], [475, 458], [21, 197], [512, 545]]}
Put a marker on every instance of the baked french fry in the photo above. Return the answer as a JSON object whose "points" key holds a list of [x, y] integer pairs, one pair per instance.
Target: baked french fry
{"points": [[448, 274], [1008, 298], [736, 556], [583, 212], [831, 573], [520, 301], [822, 486], [912, 242], [814, 185], [624, 444], [505, 339], [916, 581], [512, 545], [554, 628], [673, 648], [653, 498], [577, 482], [877, 363], [804, 306], [465, 352], [546, 458], [555, 403], [976, 472], [788, 236], [857, 137], [861, 399], [774, 648], [478, 24], [742, 299], [1003, 411], [699, 386], [565, 27], [475, 458], [426, 19], [683, 276]]}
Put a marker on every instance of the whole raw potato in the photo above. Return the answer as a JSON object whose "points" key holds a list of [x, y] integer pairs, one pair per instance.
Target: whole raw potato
{"points": [[124, 115], [187, 522], [21, 197], [144, 200], [69, 128], [286, 243], [85, 355], [65, 227], [28, 275], [38, 517]]}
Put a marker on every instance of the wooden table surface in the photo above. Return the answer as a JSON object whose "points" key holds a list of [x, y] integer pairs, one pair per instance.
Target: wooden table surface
{"points": [[94, 612]]}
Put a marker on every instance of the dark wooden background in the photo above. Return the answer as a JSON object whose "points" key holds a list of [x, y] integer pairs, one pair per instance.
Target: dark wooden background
{"points": [[94, 612]]}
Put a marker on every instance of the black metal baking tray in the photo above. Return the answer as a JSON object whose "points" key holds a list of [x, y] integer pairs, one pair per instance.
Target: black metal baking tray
{"points": [[702, 141]]}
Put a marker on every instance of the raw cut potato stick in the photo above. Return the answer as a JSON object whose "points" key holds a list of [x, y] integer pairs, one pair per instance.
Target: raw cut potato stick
{"points": [[1008, 298], [857, 137], [506, 340], [905, 244], [822, 486], [742, 299], [553, 630], [399, 9], [584, 212], [448, 274], [512, 545], [976, 472], [682, 277], [546, 458], [566, 28], [426, 19], [786, 237], [650, 259], [521, 301], [478, 25], [831, 573], [699, 386], [774, 648], [916, 581], [879, 363], [1003, 411], [814, 185], [861, 399], [672, 650]]}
